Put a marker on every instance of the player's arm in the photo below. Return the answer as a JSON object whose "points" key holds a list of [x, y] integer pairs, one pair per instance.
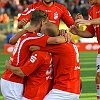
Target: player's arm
{"points": [[30, 66], [15, 38], [88, 22], [64, 37], [22, 23], [56, 40], [25, 16], [15, 70], [76, 31], [66, 17]]}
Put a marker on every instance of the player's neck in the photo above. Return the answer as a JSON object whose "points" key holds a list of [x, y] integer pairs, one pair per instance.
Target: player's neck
{"points": [[50, 4]]}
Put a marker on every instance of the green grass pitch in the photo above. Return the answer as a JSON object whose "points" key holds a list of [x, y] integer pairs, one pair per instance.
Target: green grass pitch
{"points": [[88, 72]]}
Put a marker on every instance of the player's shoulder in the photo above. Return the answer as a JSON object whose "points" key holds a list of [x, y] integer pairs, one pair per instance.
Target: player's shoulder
{"points": [[91, 9]]}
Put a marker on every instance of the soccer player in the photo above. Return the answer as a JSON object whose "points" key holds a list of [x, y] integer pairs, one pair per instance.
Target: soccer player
{"points": [[66, 70], [38, 70], [11, 83], [55, 11], [93, 27]]}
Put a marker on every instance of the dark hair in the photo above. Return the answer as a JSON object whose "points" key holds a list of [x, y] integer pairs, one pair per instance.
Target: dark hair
{"points": [[37, 16], [51, 29]]}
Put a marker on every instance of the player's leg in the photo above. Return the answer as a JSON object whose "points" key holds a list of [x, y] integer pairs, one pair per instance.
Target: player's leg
{"points": [[11, 90], [56, 94], [98, 77]]}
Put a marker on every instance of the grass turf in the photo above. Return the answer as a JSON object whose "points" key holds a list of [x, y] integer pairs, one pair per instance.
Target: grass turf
{"points": [[88, 72]]}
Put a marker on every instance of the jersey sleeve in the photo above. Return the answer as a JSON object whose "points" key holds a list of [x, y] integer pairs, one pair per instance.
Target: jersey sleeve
{"points": [[90, 17], [91, 29], [41, 41], [32, 64], [27, 12], [66, 17], [55, 49]]}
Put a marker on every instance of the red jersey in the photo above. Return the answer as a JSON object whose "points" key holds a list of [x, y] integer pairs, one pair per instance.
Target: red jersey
{"points": [[66, 67], [55, 13], [93, 13], [21, 53], [39, 71]]}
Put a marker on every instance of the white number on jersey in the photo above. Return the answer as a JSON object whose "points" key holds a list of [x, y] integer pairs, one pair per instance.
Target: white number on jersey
{"points": [[77, 53], [49, 72]]}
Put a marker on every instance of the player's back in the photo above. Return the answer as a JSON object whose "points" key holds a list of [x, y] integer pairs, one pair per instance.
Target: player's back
{"points": [[67, 72], [39, 71], [66, 67]]}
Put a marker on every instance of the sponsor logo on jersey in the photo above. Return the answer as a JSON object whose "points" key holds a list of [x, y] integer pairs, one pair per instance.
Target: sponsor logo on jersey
{"points": [[33, 58], [55, 15]]}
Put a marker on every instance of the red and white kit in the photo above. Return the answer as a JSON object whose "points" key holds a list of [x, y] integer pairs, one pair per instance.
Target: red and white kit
{"points": [[66, 71], [39, 71], [19, 57], [56, 12]]}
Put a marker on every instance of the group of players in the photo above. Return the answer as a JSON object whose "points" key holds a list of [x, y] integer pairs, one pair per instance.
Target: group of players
{"points": [[52, 72]]}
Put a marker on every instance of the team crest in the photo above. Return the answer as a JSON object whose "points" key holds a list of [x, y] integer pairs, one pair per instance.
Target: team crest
{"points": [[55, 15], [39, 34], [26, 10]]}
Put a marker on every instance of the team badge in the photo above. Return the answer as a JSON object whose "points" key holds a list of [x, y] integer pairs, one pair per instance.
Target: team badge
{"points": [[55, 15], [26, 10], [39, 34]]}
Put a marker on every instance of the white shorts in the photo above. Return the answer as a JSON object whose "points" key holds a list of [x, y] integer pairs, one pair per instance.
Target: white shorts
{"points": [[11, 90], [98, 63], [56, 94]]}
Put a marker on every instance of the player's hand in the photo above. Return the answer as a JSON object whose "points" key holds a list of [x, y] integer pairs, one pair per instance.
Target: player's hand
{"points": [[65, 33], [23, 22], [62, 32], [7, 64], [34, 48], [67, 36], [74, 29], [83, 22], [79, 16]]}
